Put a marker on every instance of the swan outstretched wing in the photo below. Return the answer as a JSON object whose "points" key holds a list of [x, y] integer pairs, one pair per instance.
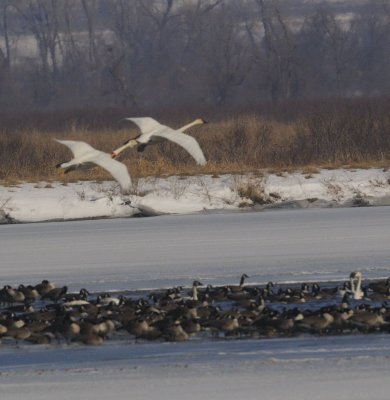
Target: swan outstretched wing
{"points": [[77, 148], [115, 168], [150, 126], [185, 141], [91, 155], [146, 124]]}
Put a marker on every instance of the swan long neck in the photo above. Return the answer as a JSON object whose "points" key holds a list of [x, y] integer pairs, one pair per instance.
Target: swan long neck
{"points": [[130, 143], [358, 279], [194, 292], [357, 290], [359, 282], [198, 121]]}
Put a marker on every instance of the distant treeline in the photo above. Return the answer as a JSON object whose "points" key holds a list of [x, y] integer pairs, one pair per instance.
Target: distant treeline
{"points": [[189, 54]]}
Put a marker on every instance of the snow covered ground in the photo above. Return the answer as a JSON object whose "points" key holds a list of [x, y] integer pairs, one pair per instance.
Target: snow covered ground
{"points": [[216, 247], [181, 195]]}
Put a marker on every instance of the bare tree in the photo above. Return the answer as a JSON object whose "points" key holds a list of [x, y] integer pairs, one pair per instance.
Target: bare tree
{"points": [[326, 48], [71, 51], [89, 8], [180, 53], [6, 57], [42, 18], [146, 32], [223, 51], [370, 33], [278, 61]]}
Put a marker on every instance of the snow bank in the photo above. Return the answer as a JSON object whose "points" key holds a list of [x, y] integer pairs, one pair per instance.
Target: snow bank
{"points": [[169, 195]]}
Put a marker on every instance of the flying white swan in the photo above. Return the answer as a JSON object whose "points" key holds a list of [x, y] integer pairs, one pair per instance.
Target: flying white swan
{"points": [[85, 156], [153, 132]]}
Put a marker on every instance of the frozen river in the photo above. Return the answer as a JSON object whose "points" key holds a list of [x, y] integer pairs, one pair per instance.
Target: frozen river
{"points": [[288, 245], [133, 253]]}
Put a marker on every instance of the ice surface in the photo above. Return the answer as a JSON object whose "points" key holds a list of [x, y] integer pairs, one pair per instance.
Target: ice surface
{"points": [[287, 245], [298, 368], [135, 253]]}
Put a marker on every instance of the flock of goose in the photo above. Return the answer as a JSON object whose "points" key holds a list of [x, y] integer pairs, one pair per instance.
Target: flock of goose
{"points": [[85, 156], [44, 313]]}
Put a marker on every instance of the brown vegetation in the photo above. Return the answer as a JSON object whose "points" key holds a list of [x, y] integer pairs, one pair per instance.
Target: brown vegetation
{"points": [[326, 134]]}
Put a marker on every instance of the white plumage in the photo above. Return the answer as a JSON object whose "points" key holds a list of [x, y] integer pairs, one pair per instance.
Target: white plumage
{"points": [[85, 156], [153, 132]]}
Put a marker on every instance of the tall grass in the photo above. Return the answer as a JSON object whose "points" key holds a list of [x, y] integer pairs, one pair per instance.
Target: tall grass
{"points": [[329, 133]]}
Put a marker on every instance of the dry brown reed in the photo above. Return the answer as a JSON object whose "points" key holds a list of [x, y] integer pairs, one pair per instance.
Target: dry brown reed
{"points": [[331, 134]]}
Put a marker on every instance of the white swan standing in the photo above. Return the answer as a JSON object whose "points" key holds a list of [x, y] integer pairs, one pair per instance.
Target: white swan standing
{"points": [[356, 291], [153, 132], [85, 156]]}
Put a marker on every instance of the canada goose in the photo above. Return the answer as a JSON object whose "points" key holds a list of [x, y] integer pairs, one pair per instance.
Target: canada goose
{"points": [[341, 319], [12, 321], [30, 293], [380, 296], [367, 318], [381, 286], [42, 315], [154, 132], [240, 286], [282, 324], [104, 328], [39, 338], [92, 340], [127, 314], [191, 325], [82, 295], [107, 300], [138, 328], [55, 294], [74, 303], [247, 300], [37, 326], [3, 329], [13, 295], [85, 156], [316, 322], [44, 287], [346, 288], [319, 293], [217, 294], [176, 333], [294, 297], [87, 327], [68, 328], [258, 306], [185, 309], [226, 324], [18, 333]]}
